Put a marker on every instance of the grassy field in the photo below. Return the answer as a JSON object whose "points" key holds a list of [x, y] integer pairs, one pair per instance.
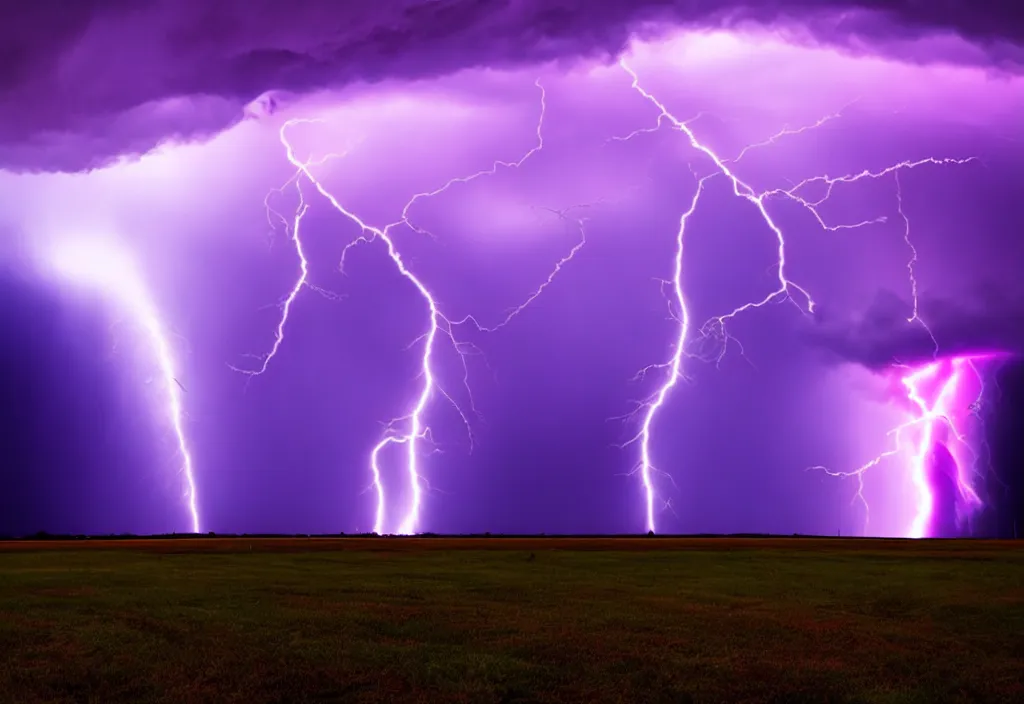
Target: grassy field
{"points": [[511, 620]]}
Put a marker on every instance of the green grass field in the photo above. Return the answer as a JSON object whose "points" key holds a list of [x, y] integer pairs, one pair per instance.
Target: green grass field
{"points": [[380, 621]]}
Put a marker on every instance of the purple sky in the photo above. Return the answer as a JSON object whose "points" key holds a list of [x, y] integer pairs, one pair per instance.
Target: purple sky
{"points": [[166, 148]]}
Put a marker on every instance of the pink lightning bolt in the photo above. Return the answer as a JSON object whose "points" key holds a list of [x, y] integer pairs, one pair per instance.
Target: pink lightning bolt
{"points": [[715, 328], [106, 267], [936, 395]]}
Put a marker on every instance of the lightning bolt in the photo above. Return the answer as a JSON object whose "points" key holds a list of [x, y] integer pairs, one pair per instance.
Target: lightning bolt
{"points": [[915, 314], [928, 414], [417, 430], [830, 183], [493, 170], [410, 430], [931, 411], [787, 132], [106, 267], [713, 333], [674, 365], [292, 229], [716, 326], [514, 311]]}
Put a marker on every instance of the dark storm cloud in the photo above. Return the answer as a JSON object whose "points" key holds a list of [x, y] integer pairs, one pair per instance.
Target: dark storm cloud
{"points": [[79, 81], [986, 322]]}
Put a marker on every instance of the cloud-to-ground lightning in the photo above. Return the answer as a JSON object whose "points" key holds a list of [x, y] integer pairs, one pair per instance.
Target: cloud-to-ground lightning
{"points": [[674, 366], [104, 266], [411, 429], [926, 414], [417, 429], [713, 333], [934, 392], [716, 327]]}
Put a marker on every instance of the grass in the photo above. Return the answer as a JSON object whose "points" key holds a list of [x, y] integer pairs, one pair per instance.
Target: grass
{"points": [[377, 620]]}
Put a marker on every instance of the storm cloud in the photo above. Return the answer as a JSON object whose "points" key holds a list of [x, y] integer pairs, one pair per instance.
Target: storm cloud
{"points": [[883, 336], [82, 83]]}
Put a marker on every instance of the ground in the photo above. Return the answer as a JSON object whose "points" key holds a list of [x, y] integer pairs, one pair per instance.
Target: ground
{"points": [[511, 620]]}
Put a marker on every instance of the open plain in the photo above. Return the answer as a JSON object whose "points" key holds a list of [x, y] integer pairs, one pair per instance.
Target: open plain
{"points": [[645, 619]]}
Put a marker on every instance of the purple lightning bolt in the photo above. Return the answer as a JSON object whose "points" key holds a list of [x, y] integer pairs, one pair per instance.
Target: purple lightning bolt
{"points": [[926, 413], [717, 326], [415, 428], [292, 228], [674, 365], [831, 182], [714, 331], [915, 316], [107, 267], [787, 132], [405, 219], [555, 271]]}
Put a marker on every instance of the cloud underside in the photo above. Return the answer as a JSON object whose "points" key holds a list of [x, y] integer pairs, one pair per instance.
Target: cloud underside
{"points": [[84, 82], [885, 334]]}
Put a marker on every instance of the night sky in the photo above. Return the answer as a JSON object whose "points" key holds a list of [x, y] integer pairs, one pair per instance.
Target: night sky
{"points": [[245, 243]]}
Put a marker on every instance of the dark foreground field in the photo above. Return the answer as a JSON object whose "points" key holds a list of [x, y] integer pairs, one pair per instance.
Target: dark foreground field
{"points": [[511, 620]]}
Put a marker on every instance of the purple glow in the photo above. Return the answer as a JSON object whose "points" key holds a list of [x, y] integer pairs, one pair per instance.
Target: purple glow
{"points": [[713, 173]]}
